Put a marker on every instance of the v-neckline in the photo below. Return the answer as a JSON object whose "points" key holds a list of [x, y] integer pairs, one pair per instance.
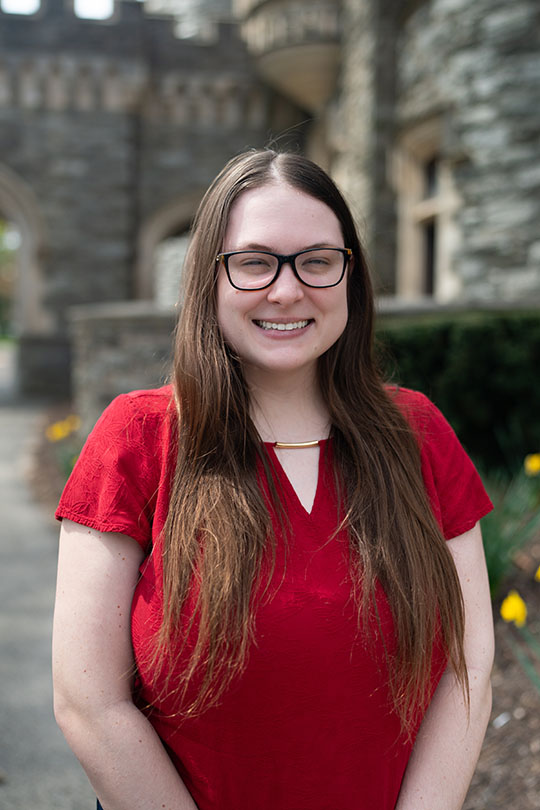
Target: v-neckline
{"points": [[323, 447]]}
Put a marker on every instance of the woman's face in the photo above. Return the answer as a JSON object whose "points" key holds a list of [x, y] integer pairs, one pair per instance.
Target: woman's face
{"points": [[281, 219]]}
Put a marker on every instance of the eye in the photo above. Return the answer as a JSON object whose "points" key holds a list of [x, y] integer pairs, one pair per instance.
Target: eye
{"points": [[316, 260], [252, 264], [254, 261]]}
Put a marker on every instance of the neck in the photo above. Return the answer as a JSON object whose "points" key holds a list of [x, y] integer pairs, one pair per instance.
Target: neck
{"points": [[288, 408]]}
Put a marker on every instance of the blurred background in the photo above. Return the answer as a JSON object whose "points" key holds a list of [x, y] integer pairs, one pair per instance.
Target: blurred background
{"points": [[114, 117]]}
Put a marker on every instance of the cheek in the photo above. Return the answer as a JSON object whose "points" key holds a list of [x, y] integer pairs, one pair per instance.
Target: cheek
{"points": [[342, 323], [233, 308], [339, 311], [340, 319], [225, 317]]}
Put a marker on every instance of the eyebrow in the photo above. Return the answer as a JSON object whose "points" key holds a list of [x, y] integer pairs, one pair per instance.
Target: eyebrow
{"points": [[265, 248]]}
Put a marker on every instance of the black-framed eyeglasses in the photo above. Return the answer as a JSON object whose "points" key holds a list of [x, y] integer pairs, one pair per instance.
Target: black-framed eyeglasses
{"points": [[258, 269]]}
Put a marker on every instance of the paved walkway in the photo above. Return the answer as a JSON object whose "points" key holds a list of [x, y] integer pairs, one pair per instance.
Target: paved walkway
{"points": [[39, 771]]}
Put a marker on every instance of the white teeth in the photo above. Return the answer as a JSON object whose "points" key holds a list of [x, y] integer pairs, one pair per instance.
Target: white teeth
{"points": [[282, 327]]}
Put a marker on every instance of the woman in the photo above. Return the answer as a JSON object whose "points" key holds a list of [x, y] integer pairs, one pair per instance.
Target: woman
{"points": [[302, 635]]}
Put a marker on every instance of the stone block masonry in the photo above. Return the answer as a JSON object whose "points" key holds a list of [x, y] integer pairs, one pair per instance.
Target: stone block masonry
{"points": [[118, 348]]}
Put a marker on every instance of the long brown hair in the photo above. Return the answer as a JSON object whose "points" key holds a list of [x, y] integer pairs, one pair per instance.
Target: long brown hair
{"points": [[218, 528]]}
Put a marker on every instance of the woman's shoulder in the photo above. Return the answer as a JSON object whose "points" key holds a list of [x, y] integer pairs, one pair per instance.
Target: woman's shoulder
{"points": [[424, 417], [452, 483], [147, 401], [404, 396], [137, 419], [414, 404], [128, 454], [141, 405]]}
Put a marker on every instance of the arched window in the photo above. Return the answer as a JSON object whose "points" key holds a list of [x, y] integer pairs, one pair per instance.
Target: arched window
{"points": [[427, 205]]}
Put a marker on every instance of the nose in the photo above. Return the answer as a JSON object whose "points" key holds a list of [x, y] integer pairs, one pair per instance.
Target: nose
{"points": [[286, 288]]}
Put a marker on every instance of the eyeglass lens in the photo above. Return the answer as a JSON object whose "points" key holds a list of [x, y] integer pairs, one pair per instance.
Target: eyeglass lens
{"points": [[317, 268]]}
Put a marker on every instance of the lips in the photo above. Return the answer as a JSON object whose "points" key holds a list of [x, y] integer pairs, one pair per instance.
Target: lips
{"points": [[282, 327]]}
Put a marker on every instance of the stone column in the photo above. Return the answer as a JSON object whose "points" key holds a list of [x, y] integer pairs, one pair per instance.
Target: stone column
{"points": [[362, 128]]}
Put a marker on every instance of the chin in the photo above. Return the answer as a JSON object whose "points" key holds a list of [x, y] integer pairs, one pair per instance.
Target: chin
{"points": [[289, 366]]}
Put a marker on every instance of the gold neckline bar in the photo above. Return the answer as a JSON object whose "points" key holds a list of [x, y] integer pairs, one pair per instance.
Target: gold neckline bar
{"points": [[296, 445]]}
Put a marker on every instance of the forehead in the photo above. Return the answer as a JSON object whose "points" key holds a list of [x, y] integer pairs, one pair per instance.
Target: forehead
{"points": [[280, 216]]}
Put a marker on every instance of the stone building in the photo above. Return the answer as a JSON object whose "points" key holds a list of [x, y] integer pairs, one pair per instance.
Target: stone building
{"points": [[110, 131], [425, 111]]}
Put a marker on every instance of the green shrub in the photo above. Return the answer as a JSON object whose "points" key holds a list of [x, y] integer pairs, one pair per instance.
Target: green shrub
{"points": [[514, 521], [480, 369]]}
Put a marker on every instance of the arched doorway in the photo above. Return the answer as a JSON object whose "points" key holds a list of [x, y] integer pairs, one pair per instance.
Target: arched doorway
{"points": [[26, 318], [9, 244], [19, 206], [161, 250], [168, 263], [10, 240]]}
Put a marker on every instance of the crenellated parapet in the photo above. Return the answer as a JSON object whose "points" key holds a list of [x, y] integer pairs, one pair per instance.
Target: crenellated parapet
{"points": [[296, 45], [130, 33], [131, 62]]}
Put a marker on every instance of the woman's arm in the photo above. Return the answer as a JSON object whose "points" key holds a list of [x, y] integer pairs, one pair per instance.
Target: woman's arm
{"points": [[449, 742], [93, 671]]}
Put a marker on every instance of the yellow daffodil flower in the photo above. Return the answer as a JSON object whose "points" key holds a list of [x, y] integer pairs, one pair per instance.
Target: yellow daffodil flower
{"points": [[537, 575], [57, 431], [514, 609], [62, 429], [532, 464]]}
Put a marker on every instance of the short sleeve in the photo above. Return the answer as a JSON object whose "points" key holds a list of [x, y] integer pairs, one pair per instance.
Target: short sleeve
{"points": [[113, 485], [454, 488]]}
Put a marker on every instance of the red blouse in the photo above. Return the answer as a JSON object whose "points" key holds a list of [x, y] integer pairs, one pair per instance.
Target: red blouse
{"points": [[309, 725]]}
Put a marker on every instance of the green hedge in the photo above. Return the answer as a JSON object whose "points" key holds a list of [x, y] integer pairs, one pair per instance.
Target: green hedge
{"points": [[481, 369]]}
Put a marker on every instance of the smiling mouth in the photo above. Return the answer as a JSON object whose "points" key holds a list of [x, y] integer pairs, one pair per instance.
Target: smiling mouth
{"points": [[282, 327]]}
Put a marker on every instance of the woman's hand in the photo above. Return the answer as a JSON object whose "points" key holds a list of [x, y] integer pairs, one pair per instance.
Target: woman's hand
{"points": [[93, 671], [449, 741]]}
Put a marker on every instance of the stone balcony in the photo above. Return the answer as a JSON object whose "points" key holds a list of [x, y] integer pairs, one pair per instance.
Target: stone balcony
{"points": [[296, 46]]}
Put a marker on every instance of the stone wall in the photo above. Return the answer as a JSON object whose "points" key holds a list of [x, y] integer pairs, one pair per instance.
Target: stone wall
{"points": [[477, 65]]}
